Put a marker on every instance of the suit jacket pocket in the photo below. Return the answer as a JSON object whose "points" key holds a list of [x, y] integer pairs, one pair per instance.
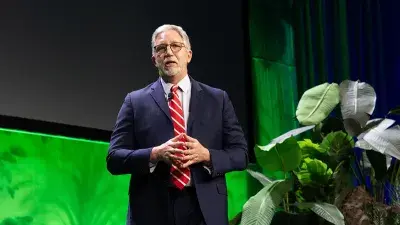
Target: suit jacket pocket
{"points": [[221, 188]]}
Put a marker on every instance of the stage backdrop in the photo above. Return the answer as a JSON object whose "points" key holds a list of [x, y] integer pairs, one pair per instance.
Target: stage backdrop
{"points": [[274, 79], [56, 180], [73, 62]]}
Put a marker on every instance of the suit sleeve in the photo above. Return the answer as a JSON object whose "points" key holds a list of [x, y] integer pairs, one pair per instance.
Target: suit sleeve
{"points": [[122, 158], [234, 155]]}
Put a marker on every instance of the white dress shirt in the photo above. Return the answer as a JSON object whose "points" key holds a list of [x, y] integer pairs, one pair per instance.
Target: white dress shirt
{"points": [[184, 92]]}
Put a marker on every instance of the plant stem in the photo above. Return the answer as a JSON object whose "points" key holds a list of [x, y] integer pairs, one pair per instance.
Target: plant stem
{"points": [[398, 175], [355, 173], [360, 170], [396, 167], [287, 202]]}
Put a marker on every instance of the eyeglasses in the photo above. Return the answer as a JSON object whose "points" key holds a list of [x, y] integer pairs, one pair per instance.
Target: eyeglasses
{"points": [[162, 48]]}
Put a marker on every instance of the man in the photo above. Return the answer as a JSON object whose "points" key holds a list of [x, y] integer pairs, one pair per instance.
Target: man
{"points": [[176, 138]]}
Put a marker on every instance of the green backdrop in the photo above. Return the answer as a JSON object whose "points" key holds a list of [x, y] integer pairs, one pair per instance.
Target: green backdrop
{"points": [[273, 69], [56, 180]]}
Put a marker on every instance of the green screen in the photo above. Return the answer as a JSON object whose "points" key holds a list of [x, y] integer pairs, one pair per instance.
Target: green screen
{"points": [[55, 180]]}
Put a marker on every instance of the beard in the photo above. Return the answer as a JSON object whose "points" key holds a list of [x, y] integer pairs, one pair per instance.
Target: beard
{"points": [[169, 72]]}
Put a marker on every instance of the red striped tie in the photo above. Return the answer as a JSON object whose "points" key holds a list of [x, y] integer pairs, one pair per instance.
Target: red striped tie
{"points": [[180, 176]]}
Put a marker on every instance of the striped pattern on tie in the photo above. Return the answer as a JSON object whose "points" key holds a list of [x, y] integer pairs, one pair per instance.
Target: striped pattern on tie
{"points": [[180, 176]]}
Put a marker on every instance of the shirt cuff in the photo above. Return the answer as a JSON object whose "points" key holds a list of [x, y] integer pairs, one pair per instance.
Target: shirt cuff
{"points": [[152, 166], [208, 169]]}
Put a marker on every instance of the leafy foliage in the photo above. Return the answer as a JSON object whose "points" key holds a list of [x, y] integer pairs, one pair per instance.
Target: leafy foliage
{"points": [[322, 167], [327, 211], [282, 157], [260, 209], [380, 214], [357, 101], [338, 144], [395, 111], [317, 103], [314, 173], [378, 163], [310, 149]]}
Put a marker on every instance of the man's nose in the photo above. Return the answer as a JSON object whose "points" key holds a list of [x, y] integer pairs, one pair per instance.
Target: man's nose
{"points": [[168, 51]]}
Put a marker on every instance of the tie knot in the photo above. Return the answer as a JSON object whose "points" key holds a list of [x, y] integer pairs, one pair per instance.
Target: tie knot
{"points": [[174, 88]]}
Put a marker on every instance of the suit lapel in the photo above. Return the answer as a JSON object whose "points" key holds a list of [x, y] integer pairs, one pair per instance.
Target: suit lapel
{"points": [[157, 92], [194, 107]]}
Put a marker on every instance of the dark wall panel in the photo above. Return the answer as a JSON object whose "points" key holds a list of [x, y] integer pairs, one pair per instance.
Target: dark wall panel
{"points": [[72, 62]]}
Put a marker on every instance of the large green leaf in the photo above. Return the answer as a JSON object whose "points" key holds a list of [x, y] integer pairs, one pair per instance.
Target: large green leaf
{"points": [[327, 211], [284, 156], [314, 173], [381, 137], [285, 136], [384, 141], [379, 125], [353, 127], [395, 111], [378, 163], [260, 209], [357, 101], [310, 149], [317, 103], [260, 177], [338, 143]]}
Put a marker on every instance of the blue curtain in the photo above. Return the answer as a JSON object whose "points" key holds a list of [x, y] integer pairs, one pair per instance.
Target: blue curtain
{"points": [[350, 39], [374, 47]]}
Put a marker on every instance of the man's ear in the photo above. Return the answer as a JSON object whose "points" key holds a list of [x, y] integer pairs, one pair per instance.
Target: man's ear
{"points": [[153, 59], [190, 54]]}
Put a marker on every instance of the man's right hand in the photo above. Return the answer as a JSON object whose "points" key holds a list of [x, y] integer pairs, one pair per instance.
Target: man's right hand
{"points": [[167, 151]]}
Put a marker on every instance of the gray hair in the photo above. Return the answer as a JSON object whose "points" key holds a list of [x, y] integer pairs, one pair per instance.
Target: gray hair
{"points": [[167, 27]]}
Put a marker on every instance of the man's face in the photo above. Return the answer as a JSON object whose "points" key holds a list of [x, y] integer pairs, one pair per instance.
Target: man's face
{"points": [[171, 55]]}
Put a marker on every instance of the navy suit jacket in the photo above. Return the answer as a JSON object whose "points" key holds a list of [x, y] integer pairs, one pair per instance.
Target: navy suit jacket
{"points": [[144, 122]]}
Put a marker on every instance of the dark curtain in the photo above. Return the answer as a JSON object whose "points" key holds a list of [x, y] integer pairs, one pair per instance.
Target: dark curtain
{"points": [[356, 39]]}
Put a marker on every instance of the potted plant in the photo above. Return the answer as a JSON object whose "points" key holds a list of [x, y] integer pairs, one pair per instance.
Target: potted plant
{"points": [[376, 199], [318, 169]]}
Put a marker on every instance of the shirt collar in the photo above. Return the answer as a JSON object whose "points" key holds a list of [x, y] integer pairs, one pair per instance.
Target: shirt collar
{"points": [[184, 84]]}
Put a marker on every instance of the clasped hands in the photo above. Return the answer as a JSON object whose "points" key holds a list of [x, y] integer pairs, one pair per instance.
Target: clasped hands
{"points": [[170, 152]]}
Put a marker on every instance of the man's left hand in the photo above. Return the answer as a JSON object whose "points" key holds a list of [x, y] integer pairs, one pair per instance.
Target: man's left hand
{"points": [[195, 152]]}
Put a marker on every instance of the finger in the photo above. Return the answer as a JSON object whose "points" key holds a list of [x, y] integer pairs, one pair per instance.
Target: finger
{"points": [[167, 160], [188, 163], [176, 138], [175, 157], [176, 151], [176, 144], [190, 139], [189, 152], [178, 163], [188, 157], [171, 158], [189, 144]]}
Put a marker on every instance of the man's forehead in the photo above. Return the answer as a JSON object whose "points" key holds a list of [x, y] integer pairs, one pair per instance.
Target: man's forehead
{"points": [[168, 36]]}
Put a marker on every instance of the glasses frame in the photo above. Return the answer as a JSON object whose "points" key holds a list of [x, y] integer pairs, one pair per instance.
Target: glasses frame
{"points": [[180, 44]]}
